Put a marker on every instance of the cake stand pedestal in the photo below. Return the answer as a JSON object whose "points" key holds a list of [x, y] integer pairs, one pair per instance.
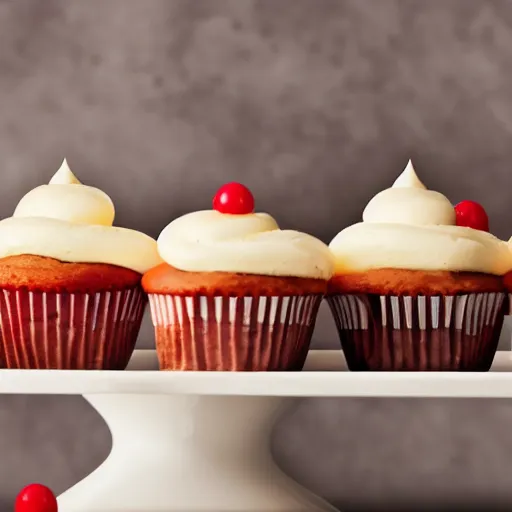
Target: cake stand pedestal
{"points": [[200, 441]]}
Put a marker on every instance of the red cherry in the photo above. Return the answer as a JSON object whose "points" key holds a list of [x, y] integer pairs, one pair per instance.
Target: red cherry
{"points": [[36, 498], [233, 198], [472, 215]]}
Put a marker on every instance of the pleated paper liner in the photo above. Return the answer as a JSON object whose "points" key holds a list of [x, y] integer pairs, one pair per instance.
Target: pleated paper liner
{"points": [[233, 333], [392, 333], [69, 330]]}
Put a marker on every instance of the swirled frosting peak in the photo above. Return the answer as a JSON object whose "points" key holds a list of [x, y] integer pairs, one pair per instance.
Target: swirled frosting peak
{"points": [[211, 241], [64, 176], [72, 222], [65, 198], [410, 227], [409, 202], [408, 178]]}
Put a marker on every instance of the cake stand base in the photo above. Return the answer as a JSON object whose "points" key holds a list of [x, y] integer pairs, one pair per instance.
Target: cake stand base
{"points": [[200, 441], [189, 453]]}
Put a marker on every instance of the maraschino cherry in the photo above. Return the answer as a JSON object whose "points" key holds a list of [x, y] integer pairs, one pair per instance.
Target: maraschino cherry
{"points": [[36, 498], [233, 198], [471, 214]]}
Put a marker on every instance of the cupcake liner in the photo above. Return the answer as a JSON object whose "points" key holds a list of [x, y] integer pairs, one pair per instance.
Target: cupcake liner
{"points": [[391, 333], [69, 330], [233, 333]]}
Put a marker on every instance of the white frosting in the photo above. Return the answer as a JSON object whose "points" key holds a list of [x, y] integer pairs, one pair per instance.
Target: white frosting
{"points": [[64, 176], [410, 227], [72, 222], [409, 178], [409, 202], [65, 198], [209, 241]]}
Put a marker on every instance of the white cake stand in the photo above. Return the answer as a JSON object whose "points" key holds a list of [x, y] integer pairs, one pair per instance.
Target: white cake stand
{"points": [[193, 442]]}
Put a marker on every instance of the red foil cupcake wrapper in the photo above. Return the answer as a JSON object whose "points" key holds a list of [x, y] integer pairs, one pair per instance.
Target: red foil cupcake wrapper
{"points": [[390, 333], [69, 330], [233, 333]]}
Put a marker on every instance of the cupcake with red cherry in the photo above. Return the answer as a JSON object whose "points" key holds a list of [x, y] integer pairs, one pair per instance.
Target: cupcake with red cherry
{"points": [[235, 292], [418, 285]]}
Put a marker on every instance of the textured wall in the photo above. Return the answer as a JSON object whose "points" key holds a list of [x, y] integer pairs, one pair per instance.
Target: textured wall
{"points": [[316, 105]]}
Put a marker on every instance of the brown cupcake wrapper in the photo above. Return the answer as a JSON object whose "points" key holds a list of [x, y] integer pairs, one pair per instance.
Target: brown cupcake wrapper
{"points": [[94, 331], [393, 333], [233, 333]]}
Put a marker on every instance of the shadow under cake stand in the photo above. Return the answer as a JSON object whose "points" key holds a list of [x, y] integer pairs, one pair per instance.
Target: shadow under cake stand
{"points": [[200, 441]]}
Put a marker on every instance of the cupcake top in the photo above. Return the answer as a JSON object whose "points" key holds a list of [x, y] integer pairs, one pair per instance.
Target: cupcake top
{"points": [[71, 222], [232, 238], [409, 227]]}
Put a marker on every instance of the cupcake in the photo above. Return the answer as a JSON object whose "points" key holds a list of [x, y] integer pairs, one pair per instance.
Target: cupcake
{"points": [[418, 284], [508, 287], [70, 292], [235, 292]]}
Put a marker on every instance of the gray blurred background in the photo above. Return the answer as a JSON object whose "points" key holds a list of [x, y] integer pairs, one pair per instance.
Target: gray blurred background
{"points": [[314, 104]]}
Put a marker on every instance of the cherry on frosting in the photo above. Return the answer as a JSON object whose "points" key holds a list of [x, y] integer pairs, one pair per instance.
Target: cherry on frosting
{"points": [[36, 498], [472, 215], [233, 198]]}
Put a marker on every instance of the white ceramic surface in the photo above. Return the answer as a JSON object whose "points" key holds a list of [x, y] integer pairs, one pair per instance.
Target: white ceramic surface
{"points": [[197, 442], [189, 453], [325, 375]]}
